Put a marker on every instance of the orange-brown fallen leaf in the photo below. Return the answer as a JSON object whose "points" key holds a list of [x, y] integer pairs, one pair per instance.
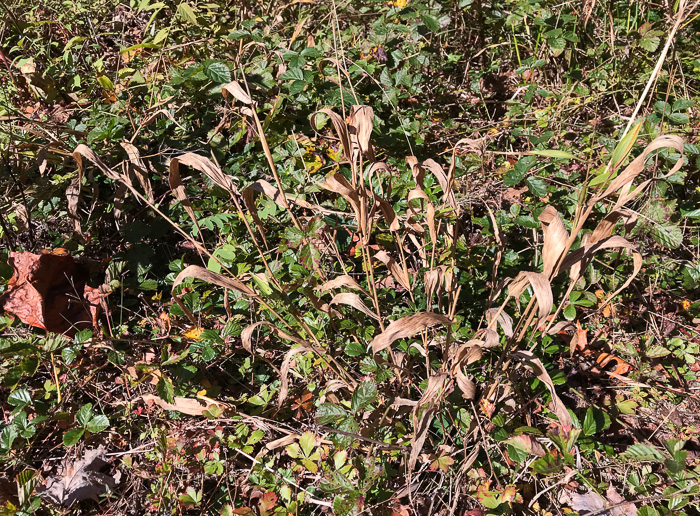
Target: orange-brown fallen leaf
{"points": [[50, 291], [622, 367]]}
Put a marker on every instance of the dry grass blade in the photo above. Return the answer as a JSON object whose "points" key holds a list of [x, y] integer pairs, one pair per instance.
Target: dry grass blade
{"points": [[448, 195], [235, 90], [555, 240], [407, 327], [465, 385], [138, 167], [340, 129], [197, 272], [399, 273], [284, 370], [505, 320], [339, 282], [247, 335], [360, 127], [350, 299], [540, 286], [537, 367], [423, 414]]}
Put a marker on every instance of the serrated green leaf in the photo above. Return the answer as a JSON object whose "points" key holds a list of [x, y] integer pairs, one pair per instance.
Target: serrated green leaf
{"points": [[537, 186], [649, 43], [84, 415], [643, 452], [430, 22], [667, 235], [71, 437], [364, 394], [7, 437], [186, 13], [19, 398], [330, 413], [97, 424], [217, 72], [678, 118], [165, 389]]}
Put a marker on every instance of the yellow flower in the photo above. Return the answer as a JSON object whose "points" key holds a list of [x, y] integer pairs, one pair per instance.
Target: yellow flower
{"points": [[685, 304], [193, 333], [399, 3]]}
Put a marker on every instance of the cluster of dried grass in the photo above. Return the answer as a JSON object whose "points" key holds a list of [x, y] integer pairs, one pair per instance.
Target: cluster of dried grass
{"points": [[426, 239]]}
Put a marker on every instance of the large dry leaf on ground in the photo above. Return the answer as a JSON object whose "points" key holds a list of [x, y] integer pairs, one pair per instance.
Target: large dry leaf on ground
{"points": [[407, 327], [540, 286], [350, 299], [79, 480], [538, 368], [189, 406], [196, 272], [50, 291], [555, 239], [592, 502]]}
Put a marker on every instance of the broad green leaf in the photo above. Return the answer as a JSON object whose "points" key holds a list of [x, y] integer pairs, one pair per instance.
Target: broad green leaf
{"points": [[7, 437], [71, 437], [19, 398], [682, 104], [165, 389], [160, 36], [105, 82], [678, 118], [365, 394], [73, 41], [668, 236], [330, 413], [186, 13], [84, 415], [596, 421], [217, 72], [307, 443], [570, 312], [430, 22], [97, 424], [643, 452], [537, 186]]}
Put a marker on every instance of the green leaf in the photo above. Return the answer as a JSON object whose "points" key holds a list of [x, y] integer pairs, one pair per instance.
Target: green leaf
{"points": [[354, 349], [217, 71], [84, 415], [7, 437], [647, 511], [73, 41], [71, 437], [105, 82], [537, 186], [330, 413], [643, 452], [186, 13], [364, 394], [430, 22], [97, 424], [596, 420], [19, 398], [682, 104], [678, 118], [307, 443], [165, 389], [570, 312], [667, 236], [650, 43], [160, 36], [553, 153], [548, 465]]}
